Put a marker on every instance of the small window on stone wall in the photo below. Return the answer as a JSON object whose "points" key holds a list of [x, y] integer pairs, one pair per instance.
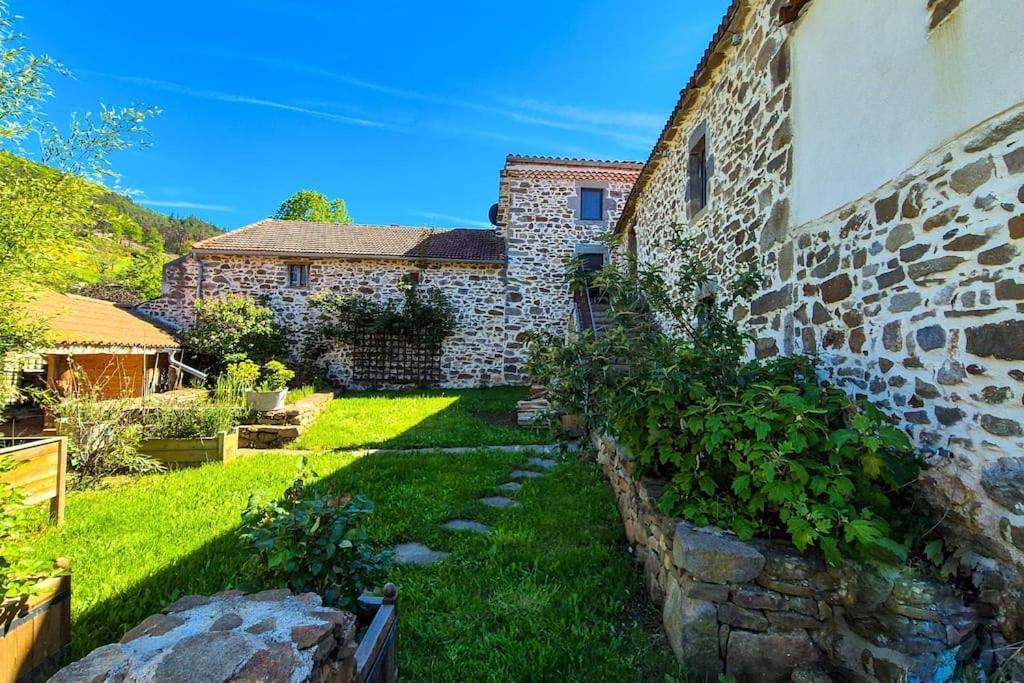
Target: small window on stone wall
{"points": [[298, 275], [698, 171], [591, 204]]}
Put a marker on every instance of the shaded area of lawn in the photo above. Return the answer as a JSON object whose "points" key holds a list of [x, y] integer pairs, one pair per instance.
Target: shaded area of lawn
{"points": [[421, 419], [549, 594]]}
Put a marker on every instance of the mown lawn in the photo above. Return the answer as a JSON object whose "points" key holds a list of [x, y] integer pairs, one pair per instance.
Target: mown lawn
{"points": [[549, 594], [421, 419]]}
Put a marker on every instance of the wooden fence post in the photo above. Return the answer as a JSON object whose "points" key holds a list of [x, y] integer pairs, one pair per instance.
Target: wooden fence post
{"points": [[57, 504]]}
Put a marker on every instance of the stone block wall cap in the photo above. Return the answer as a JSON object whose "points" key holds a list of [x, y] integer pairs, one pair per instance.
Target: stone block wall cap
{"points": [[711, 554]]}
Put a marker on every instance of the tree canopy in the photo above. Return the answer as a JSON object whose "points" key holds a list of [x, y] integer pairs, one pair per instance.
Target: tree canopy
{"points": [[310, 205]]}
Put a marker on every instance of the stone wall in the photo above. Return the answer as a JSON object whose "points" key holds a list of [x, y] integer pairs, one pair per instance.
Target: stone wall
{"points": [[758, 610], [277, 428], [539, 217], [471, 357], [912, 296], [271, 636]]}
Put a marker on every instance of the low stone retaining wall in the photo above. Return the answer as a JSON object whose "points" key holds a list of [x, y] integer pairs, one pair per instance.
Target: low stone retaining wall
{"points": [[276, 428], [269, 636], [758, 610]]}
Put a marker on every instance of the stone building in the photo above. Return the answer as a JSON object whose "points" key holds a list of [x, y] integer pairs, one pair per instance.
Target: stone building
{"points": [[503, 282], [869, 156]]}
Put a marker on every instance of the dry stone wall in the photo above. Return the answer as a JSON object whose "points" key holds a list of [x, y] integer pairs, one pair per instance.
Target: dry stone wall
{"points": [[470, 357], [912, 296], [760, 610]]}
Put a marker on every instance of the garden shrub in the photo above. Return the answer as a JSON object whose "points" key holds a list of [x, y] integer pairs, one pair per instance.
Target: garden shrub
{"points": [[756, 447], [197, 420], [230, 325], [101, 442], [312, 540], [274, 376]]}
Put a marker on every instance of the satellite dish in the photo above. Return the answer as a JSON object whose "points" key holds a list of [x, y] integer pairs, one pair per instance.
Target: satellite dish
{"points": [[492, 214]]}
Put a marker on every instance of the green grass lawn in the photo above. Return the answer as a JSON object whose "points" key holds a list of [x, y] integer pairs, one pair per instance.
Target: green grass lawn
{"points": [[421, 419], [550, 594]]}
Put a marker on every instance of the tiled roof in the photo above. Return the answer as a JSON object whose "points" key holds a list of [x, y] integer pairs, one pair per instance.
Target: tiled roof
{"points": [[83, 322], [572, 161], [322, 240]]}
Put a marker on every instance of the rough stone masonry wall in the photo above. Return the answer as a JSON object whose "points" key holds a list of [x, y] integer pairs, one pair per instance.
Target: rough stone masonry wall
{"points": [[471, 357], [538, 213], [912, 296], [271, 636], [758, 610]]}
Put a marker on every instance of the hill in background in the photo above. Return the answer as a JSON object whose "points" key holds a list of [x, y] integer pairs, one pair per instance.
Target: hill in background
{"points": [[118, 257]]}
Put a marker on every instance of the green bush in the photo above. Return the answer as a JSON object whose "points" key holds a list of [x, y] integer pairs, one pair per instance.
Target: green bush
{"points": [[230, 325], [243, 374], [312, 541], [190, 421], [757, 447], [101, 442], [274, 376]]}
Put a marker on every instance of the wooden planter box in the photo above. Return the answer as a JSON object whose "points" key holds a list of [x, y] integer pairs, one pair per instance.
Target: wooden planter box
{"points": [[40, 471], [35, 632], [187, 452]]}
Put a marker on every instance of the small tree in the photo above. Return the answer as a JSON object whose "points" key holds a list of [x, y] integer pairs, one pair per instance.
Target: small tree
{"points": [[310, 205], [230, 325]]}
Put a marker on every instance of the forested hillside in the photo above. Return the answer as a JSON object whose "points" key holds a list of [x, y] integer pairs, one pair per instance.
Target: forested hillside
{"points": [[120, 247]]}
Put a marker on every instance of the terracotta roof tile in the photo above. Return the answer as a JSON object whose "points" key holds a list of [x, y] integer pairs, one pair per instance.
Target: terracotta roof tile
{"points": [[623, 176], [572, 161], [81, 321], [321, 240]]}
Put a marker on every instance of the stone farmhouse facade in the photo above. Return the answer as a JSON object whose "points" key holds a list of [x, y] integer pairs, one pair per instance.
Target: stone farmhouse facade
{"points": [[504, 282], [881, 192]]}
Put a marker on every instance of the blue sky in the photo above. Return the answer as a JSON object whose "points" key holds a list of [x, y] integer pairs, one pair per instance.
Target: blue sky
{"points": [[404, 109]]}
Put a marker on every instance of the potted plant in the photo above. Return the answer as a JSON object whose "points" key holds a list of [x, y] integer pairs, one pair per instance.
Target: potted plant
{"points": [[270, 392]]}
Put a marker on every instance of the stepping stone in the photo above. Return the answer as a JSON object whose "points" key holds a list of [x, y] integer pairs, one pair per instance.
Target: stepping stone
{"points": [[543, 463], [466, 525], [499, 502], [510, 486], [525, 474], [417, 553]]}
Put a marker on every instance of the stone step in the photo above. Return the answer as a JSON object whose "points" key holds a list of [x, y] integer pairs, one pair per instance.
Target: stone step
{"points": [[543, 463], [499, 502], [524, 474], [510, 486], [466, 525], [417, 553]]}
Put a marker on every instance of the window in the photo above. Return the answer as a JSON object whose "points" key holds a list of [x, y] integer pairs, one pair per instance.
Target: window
{"points": [[298, 275], [591, 204], [698, 174]]}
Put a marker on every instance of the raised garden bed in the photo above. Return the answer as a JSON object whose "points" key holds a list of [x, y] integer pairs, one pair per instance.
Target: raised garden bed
{"points": [[187, 452], [276, 428], [40, 472], [35, 631]]}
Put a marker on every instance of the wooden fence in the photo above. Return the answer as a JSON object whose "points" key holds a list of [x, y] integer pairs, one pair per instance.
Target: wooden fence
{"points": [[40, 470]]}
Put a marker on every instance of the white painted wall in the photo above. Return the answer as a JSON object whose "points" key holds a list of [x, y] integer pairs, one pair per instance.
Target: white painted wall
{"points": [[874, 90]]}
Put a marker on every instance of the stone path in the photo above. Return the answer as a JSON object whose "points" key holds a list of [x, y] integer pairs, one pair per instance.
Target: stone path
{"points": [[466, 525], [417, 553]]}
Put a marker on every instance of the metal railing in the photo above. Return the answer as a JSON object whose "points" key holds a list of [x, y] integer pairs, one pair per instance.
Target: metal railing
{"points": [[584, 307]]}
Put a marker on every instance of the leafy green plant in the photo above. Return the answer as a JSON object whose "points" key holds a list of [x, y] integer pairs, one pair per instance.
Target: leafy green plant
{"points": [[274, 376], [244, 373], [197, 420], [312, 541], [229, 325], [101, 442], [19, 569], [757, 447], [298, 393]]}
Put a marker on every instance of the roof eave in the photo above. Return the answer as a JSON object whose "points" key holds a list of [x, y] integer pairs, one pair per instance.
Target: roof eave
{"points": [[344, 256]]}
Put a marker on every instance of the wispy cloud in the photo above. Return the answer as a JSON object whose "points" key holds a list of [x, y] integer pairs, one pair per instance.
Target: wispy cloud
{"points": [[177, 204], [638, 121], [456, 221], [221, 96], [598, 123]]}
